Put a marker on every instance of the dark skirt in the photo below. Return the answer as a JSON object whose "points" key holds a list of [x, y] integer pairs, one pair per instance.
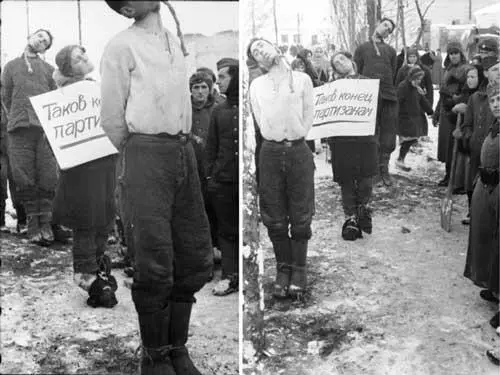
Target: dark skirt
{"points": [[447, 123], [85, 196], [482, 265], [353, 157]]}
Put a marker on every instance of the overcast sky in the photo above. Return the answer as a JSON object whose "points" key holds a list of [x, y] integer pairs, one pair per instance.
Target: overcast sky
{"points": [[100, 23]]}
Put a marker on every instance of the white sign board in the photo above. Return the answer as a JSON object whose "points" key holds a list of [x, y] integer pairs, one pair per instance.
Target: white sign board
{"points": [[346, 107], [70, 117]]}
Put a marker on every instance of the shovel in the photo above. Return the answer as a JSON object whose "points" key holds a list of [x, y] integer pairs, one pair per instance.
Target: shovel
{"points": [[447, 202]]}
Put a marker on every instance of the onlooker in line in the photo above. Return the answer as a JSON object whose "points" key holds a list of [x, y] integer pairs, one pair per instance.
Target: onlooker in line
{"points": [[413, 105], [437, 68], [453, 81], [222, 174]]}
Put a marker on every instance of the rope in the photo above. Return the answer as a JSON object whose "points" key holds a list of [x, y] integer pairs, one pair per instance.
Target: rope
{"points": [[178, 25]]}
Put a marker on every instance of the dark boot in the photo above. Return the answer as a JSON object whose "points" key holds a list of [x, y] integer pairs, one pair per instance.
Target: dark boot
{"points": [[61, 234], [283, 254], [351, 229], [384, 169], [298, 279], [365, 219], [46, 228], [178, 335], [34, 234], [156, 346]]}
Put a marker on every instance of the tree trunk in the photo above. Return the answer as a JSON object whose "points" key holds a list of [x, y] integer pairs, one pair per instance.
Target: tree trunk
{"points": [[351, 17], [402, 20], [275, 18], [371, 16], [253, 263], [79, 22]]}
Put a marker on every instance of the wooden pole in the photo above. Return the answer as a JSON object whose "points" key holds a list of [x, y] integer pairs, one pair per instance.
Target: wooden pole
{"points": [[275, 23], [79, 22], [27, 18]]}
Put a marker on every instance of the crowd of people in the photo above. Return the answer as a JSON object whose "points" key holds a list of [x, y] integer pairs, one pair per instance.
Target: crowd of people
{"points": [[281, 100], [173, 185]]}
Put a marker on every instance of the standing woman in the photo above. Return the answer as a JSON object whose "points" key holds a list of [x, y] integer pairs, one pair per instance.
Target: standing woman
{"points": [[451, 87], [85, 200], [413, 105]]}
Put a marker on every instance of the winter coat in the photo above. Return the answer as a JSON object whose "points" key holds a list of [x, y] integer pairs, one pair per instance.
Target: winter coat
{"points": [[453, 82], [222, 144], [18, 84], [437, 69], [201, 123], [482, 262], [412, 109], [382, 67], [85, 195], [353, 156], [477, 120], [426, 83]]}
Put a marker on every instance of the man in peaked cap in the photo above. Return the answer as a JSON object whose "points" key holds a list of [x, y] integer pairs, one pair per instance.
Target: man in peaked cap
{"points": [[146, 112], [488, 47]]}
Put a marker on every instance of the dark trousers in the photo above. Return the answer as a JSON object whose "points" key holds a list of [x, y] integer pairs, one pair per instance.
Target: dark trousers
{"points": [[225, 202], [385, 128], [88, 246], [286, 190], [34, 169], [6, 176], [405, 147], [172, 247], [355, 192]]}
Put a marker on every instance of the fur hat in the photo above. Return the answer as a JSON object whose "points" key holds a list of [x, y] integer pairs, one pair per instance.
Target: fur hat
{"points": [[415, 72], [200, 77], [454, 47], [489, 45], [63, 59], [492, 89], [226, 62]]}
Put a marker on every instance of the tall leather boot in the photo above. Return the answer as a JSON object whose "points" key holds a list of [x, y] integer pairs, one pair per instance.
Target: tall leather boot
{"points": [[283, 254], [46, 228], [384, 169], [178, 335], [156, 345], [298, 279], [34, 234]]}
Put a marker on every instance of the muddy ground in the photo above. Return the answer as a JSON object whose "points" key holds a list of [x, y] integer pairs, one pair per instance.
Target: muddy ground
{"points": [[394, 302], [47, 328]]}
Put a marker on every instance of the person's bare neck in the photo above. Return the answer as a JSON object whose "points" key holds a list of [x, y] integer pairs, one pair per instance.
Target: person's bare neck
{"points": [[29, 51], [278, 67], [151, 22]]}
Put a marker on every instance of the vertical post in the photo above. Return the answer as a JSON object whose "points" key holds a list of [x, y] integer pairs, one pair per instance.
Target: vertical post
{"points": [[298, 28], [27, 18], [79, 22], [275, 22], [470, 10]]}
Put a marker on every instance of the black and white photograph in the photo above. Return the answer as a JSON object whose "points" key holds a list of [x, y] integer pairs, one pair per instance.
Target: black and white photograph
{"points": [[370, 187], [119, 190]]}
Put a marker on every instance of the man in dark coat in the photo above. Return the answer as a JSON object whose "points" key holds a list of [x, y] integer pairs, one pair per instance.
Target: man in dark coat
{"points": [[34, 167], [146, 112], [222, 173], [203, 102], [376, 59]]}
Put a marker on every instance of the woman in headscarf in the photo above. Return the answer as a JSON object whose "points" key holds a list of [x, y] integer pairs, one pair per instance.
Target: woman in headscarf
{"points": [[320, 63], [85, 200], [451, 87]]}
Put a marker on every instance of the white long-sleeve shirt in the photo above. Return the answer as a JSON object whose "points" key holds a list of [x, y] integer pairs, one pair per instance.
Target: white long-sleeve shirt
{"points": [[280, 113], [144, 87]]}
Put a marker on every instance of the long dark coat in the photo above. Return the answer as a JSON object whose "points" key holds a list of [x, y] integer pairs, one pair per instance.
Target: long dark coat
{"points": [[453, 81], [353, 156], [482, 263], [85, 195], [412, 109]]}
